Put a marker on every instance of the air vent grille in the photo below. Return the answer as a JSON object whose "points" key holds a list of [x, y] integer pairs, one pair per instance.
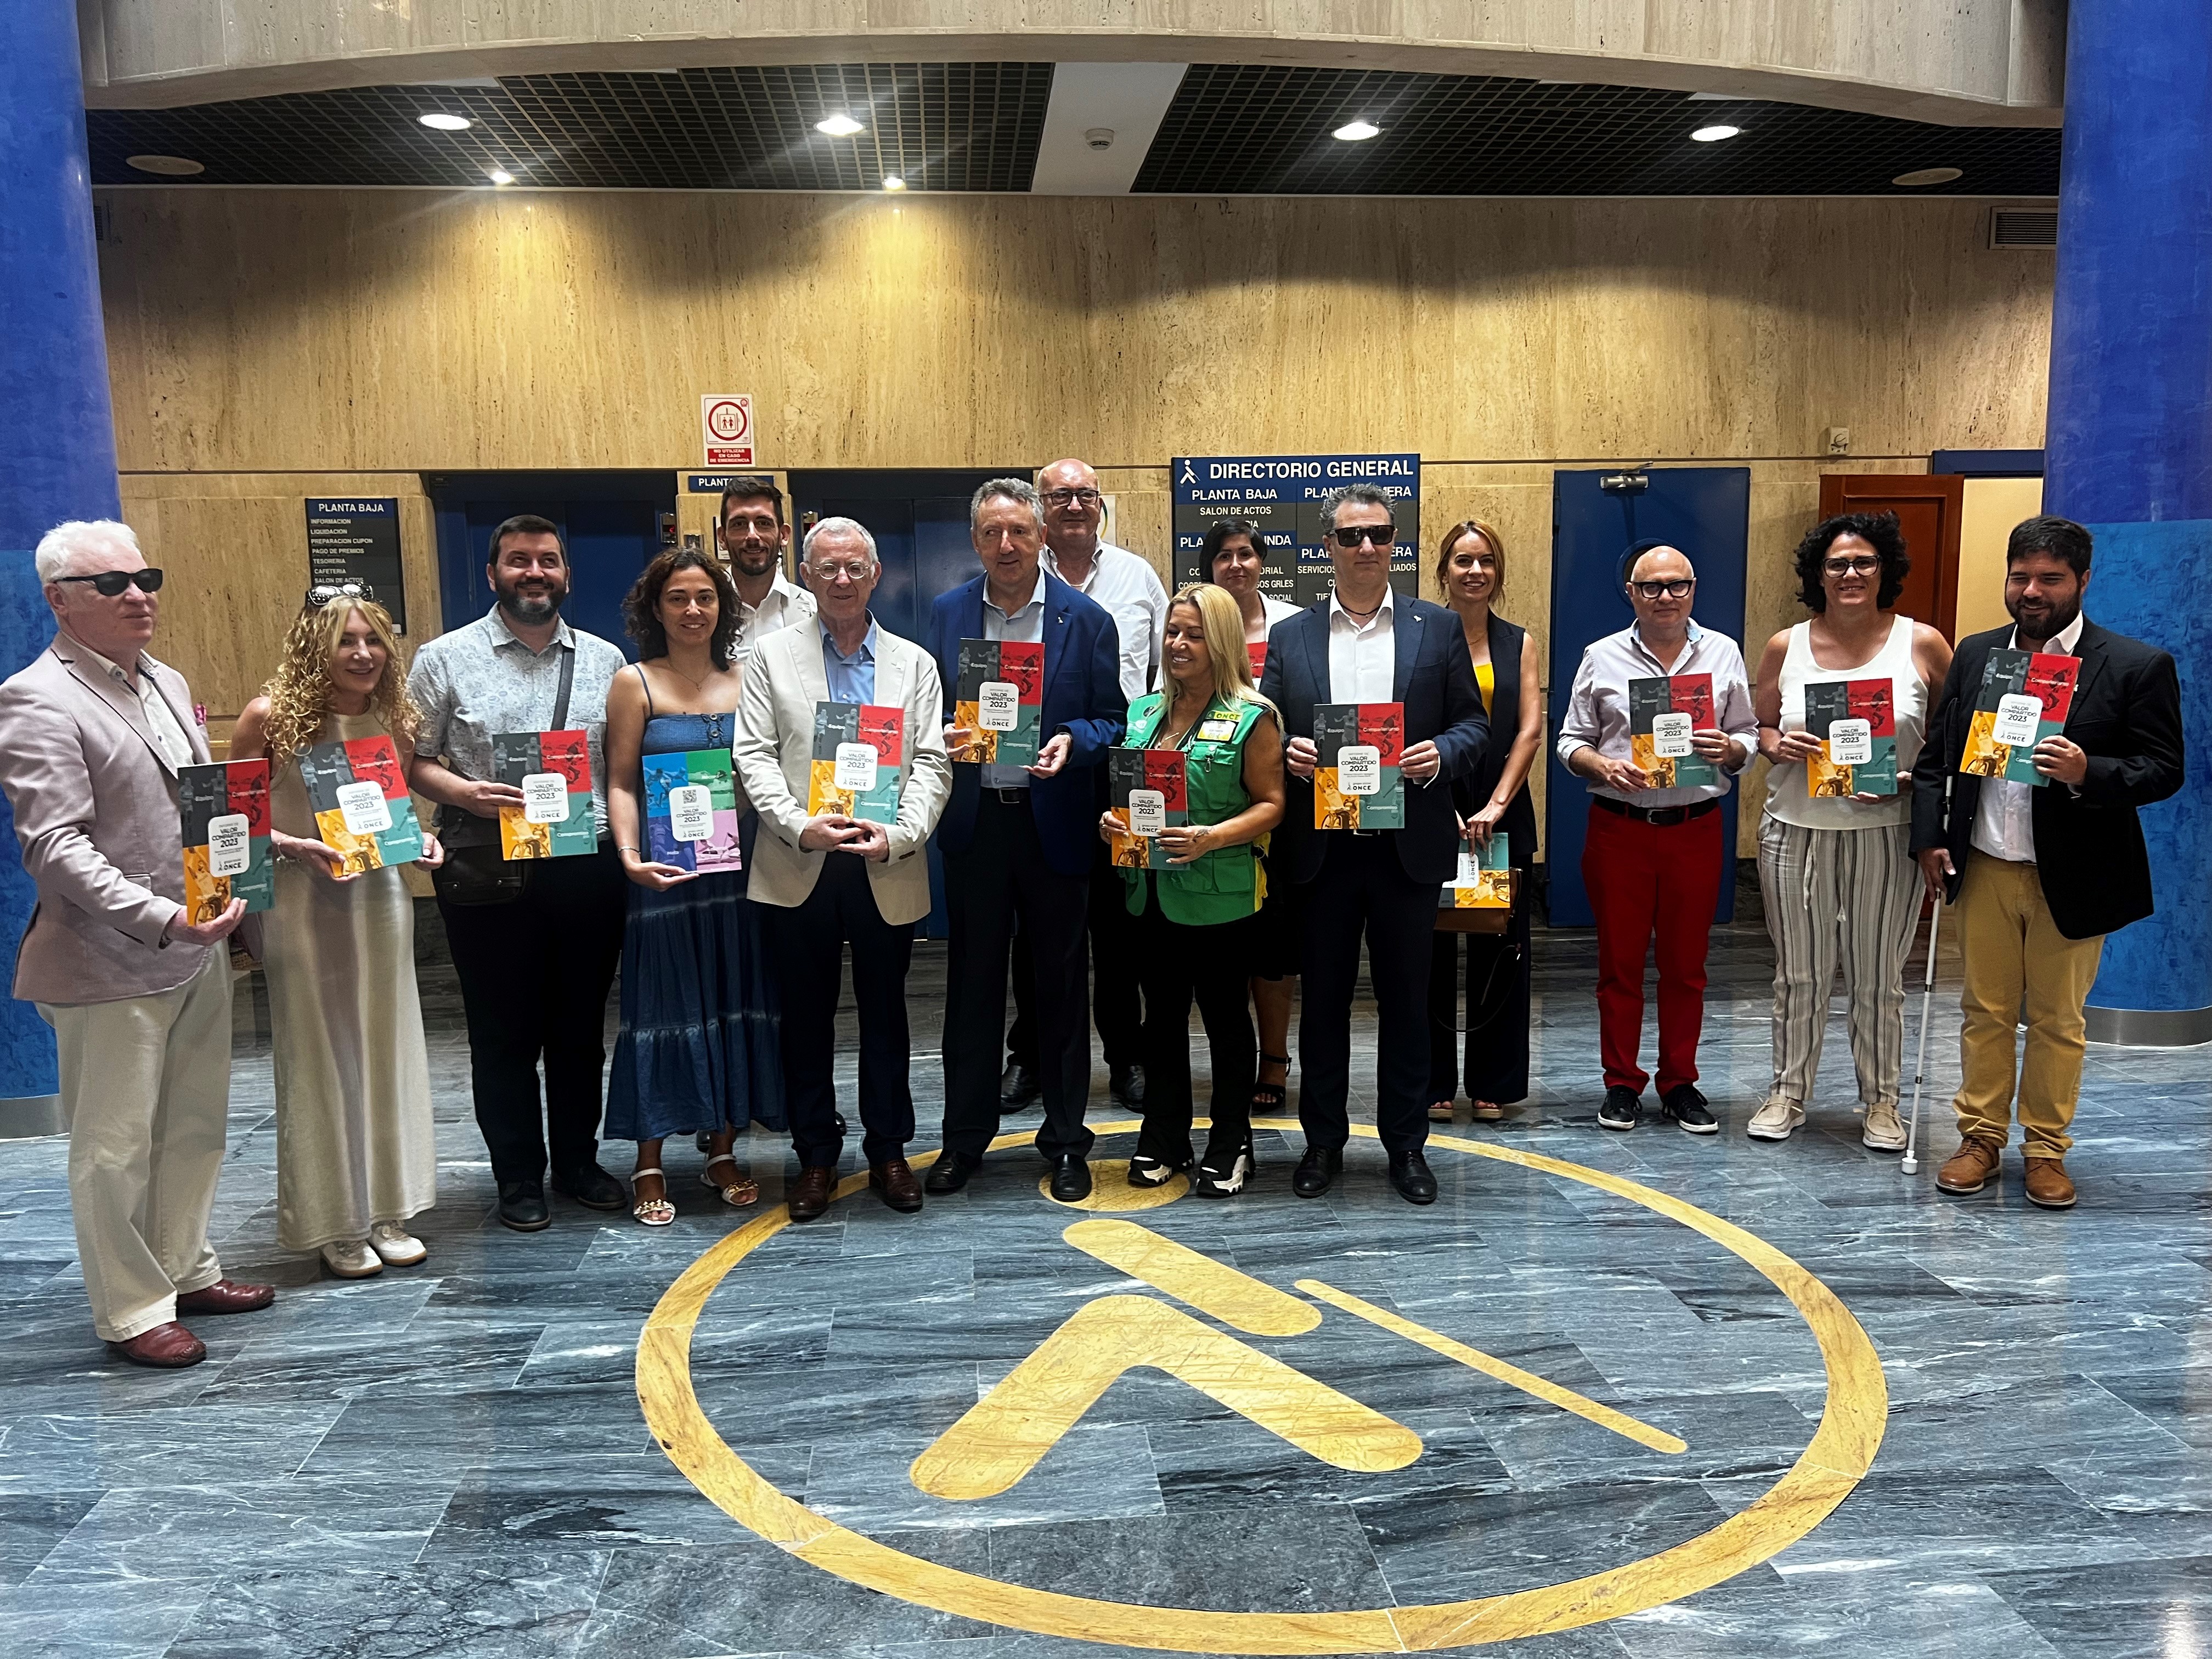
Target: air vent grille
{"points": [[2024, 227]]}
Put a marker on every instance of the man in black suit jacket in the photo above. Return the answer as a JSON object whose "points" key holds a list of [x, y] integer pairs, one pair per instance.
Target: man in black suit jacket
{"points": [[1366, 644], [2041, 874]]}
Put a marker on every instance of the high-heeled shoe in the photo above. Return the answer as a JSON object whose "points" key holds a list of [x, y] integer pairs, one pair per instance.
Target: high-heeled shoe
{"points": [[1269, 1099]]}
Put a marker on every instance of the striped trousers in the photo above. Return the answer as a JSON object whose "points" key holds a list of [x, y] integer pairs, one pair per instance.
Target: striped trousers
{"points": [[1839, 895]]}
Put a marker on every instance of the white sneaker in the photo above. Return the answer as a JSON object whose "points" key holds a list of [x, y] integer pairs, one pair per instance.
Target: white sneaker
{"points": [[352, 1259], [1775, 1119], [1885, 1130], [398, 1247]]}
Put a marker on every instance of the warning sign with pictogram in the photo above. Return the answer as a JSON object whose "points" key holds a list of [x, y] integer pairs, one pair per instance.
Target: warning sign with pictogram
{"points": [[725, 423]]}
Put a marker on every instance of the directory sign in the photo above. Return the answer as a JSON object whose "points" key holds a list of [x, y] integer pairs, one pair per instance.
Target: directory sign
{"points": [[358, 541], [1282, 495]]}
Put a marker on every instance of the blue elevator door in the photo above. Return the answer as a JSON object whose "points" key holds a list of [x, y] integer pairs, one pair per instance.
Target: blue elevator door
{"points": [[1706, 512]]}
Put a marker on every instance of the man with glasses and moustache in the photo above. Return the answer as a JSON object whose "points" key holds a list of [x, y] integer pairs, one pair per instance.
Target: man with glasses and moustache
{"points": [[534, 970], [1653, 862], [750, 531], [1130, 591], [1369, 644]]}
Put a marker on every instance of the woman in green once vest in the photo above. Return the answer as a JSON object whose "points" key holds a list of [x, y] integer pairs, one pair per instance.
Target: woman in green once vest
{"points": [[1194, 916]]}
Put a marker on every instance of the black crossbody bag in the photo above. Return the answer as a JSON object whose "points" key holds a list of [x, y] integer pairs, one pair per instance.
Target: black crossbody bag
{"points": [[476, 870]]}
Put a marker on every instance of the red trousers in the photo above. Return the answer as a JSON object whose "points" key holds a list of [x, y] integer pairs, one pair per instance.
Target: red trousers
{"points": [[1642, 879]]}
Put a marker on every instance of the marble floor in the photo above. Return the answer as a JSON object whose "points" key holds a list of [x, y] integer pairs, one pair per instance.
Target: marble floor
{"points": [[453, 1460]]}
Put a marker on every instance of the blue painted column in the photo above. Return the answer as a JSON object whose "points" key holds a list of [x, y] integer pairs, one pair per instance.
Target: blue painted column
{"points": [[57, 433], [2129, 438]]}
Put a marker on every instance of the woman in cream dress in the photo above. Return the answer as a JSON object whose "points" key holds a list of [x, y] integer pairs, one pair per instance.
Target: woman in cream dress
{"points": [[355, 1145]]}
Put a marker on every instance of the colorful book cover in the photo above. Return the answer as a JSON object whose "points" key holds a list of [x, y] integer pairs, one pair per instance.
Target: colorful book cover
{"points": [[2024, 698], [1357, 782], [691, 811], [1151, 792], [358, 793], [860, 762], [1662, 712], [1484, 881], [553, 769], [1256, 653], [1855, 721], [224, 808], [1001, 700]]}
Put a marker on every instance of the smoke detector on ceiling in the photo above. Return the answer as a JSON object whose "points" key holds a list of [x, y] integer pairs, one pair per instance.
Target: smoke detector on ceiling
{"points": [[1098, 138]]}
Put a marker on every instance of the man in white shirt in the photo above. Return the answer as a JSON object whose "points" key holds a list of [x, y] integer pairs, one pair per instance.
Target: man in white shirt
{"points": [[751, 531], [1126, 586]]}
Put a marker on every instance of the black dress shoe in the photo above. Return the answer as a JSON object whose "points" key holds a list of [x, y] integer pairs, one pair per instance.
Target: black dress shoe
{"points": [[1126, 1084], [1018, 1087], [592, 1188], [1409, 1174], [522, 1206], [950, 1172], [1316, 1170], [1071, 1178]]}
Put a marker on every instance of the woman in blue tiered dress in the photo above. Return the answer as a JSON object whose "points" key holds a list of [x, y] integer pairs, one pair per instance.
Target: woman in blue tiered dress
{"points": [[697, 1054]]}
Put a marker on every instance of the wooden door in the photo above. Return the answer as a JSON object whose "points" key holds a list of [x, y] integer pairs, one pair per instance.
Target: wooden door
{"points": [[1928, 507]]}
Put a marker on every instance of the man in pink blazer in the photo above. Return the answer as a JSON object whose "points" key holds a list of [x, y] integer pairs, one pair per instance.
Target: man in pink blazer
{"points": [[92, 735]]}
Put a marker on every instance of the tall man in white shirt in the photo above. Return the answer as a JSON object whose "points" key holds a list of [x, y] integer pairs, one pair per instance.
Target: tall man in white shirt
{"points": [[1653, 861], [1126, 586], [751, 531]]}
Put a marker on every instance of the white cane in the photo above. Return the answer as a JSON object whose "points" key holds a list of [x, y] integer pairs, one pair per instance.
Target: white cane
{"points": [[1912, 1164]]}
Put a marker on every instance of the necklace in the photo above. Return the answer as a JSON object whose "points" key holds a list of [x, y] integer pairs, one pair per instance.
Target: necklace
{"points": [[1359, 615], [699, 684]]}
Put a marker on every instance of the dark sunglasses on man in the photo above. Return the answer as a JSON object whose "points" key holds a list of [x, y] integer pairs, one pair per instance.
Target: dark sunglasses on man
{"points": [[1380, 534], [110, 584], [324, 593]]}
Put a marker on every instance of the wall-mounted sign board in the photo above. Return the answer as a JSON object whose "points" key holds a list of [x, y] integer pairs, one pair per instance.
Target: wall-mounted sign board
{"points": [[1282, 495], [357, 540]]}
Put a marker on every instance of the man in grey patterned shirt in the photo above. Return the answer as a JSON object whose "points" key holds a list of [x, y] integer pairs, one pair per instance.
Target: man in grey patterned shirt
{"points": [[534, 971]]}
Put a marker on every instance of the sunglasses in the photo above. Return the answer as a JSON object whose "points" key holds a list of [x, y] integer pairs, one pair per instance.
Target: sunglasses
{"points": [[110, 584], [1677, 589], [323, 593], [1380, 534]]}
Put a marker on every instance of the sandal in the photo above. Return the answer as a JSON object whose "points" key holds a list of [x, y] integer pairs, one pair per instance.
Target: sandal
{"points": [[736, 1194], [1269, 1099], [1440, 1111], [651, 1212], [1487, 1111]]}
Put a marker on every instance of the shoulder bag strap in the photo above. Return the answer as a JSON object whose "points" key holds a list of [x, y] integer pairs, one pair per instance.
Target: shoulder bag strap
{"points": [[567, 684]]}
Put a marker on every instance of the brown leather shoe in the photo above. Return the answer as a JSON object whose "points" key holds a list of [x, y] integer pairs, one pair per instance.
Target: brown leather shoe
{"points": [[227, 1296], [1971, 1167], [894, 1183], [167, 1347], [2048, 1183], [810, 1194]]}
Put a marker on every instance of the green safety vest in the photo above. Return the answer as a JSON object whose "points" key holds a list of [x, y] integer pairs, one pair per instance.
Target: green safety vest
{"points": [[1221, 885]]}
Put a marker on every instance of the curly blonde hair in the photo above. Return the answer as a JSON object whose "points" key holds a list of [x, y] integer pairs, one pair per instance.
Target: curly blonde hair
{"points": [[298, 692]]}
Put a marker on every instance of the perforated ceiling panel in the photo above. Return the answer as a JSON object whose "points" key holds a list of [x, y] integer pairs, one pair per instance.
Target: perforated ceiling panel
{"points": [[940, 126], [1263, 130]]}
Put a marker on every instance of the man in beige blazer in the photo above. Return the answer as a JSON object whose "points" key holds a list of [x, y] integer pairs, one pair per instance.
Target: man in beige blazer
{"points": [[92, 735], [826, 879]]}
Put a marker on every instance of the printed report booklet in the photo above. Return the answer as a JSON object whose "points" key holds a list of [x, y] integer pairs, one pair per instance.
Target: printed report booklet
{"points": [[1485, 880], [358, 793], [1151, 792], [691, 811], [1357, 784], [1001, 700], [224, 809], [1662, 712], [860, 762], [1855, 721], [2024, 698], [553, 769]]}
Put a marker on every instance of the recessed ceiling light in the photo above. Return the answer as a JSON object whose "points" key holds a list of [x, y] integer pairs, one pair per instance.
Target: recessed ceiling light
{"points": [[893, 182], [1353, 132], [839, 125], [499, 176], [444, 123], [171, 166], [1713, 134], [1928, 176]]}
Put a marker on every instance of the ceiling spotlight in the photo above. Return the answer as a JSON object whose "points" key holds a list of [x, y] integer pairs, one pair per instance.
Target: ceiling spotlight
{"points": [[1353, 132], [170, 166], [1713, 134], [1928, 176], [839, 125], [499, 176], [444, 123], [894, 183]]}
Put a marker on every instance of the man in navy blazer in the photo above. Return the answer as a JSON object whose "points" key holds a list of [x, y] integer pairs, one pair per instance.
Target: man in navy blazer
{"points": [[1366, 644], [1019, 841]]}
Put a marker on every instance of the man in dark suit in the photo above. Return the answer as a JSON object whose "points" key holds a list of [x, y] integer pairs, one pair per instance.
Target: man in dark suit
{"points": [[1366, 644], [1017, 840], [2041, 874]]}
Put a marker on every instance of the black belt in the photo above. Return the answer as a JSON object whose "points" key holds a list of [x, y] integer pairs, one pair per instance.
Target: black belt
{"points": [[1655, 815]]}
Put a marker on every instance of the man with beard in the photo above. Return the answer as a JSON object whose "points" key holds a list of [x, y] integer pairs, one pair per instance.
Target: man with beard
{"points": [[2041, 873], [753, 537], [535, 968]]}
